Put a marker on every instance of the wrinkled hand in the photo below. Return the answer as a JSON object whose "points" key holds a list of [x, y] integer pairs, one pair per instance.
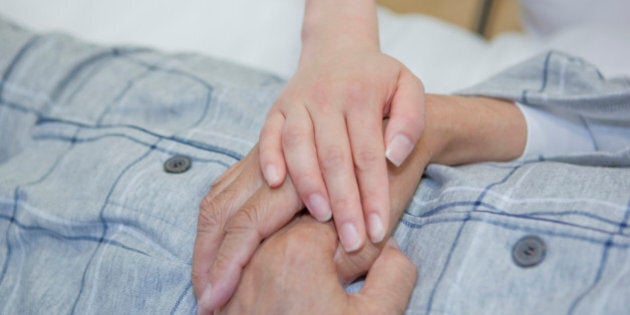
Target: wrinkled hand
{"points": [[293, 272], [326, 129], [241, 210]]}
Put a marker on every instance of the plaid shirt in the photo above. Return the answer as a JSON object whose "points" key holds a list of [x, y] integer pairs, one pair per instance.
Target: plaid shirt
{"points": [[93, 221]]}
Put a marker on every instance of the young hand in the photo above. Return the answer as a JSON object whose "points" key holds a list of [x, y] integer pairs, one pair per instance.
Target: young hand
{"points": [[325, 129]]}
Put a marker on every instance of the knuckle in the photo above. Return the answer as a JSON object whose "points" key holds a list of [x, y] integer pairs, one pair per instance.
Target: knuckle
{"points": [[222, 262], [221, 180], [356, 93], [343, 205], [365, 160], [333, 158], [215, 185], [320, 94], [210, 216], [293, 136], [307, 184], [244, 221], [375, 200]]}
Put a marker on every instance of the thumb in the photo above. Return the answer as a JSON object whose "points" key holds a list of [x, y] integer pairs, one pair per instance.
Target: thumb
{"points": [[389, 282], [406, 118]]}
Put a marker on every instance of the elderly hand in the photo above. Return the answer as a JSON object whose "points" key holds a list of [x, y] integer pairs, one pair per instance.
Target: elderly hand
{"points": [[241, 210], [293, 272]]}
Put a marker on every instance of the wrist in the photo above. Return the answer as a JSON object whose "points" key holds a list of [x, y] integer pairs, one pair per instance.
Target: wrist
{"points": [[339, 24], [473, 129]]}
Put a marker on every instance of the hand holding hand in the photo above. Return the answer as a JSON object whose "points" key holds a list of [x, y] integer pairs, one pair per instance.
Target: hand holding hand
{"points": [[326, 129], [293, 272], [240, 211]]}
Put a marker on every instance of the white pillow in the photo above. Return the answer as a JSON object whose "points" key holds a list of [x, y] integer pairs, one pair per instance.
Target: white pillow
{"points": [[545, 17], [260, 33], [265, 34]]}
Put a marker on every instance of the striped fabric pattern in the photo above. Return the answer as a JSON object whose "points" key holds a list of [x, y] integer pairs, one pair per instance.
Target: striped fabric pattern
{"points": [[91, 223]]}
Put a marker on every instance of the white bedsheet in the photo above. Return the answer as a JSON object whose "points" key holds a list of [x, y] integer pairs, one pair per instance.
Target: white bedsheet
{"points": [[265, 34]]}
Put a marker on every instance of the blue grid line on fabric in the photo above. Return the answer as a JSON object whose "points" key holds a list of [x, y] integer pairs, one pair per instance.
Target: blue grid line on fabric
{"points": [[156, 67], [531, 214], [57, 161], [147, 214], [11, 220], [517, 227], [624, 221], [590, 131], [569, 213], [16, 60], [82, 65], [545, 75], [75, 71], [150, 67], [127, 137], [116, 101], [199, 145], [206, 109], [17, 107], [528, 215], [445, 206], [13, 217], [94, 71], [520, 216], [56, 234], [169, 70], [102, 239], [602, 263], [459, 233], [500, 165], [181, 298]]}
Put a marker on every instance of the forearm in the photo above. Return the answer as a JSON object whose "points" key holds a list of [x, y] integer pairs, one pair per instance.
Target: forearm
{"points": [[474, 129], [458, 130], [338, 24]]}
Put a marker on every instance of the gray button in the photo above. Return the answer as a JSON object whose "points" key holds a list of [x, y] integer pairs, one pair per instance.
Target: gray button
{"points": [[529, 251], [177, 164]]}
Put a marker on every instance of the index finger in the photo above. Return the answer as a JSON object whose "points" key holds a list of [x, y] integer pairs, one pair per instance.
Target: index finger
{"points": [[265, 212]]}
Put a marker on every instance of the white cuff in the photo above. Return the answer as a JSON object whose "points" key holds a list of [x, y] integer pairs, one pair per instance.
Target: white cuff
{"points": [[554, 133]]}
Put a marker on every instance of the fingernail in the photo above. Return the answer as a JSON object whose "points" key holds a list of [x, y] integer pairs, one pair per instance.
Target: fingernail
{"points": [[399, 149], [349, 237], [392, 242], [204, 303], [271, 174], [319, 208], [377, 233]]}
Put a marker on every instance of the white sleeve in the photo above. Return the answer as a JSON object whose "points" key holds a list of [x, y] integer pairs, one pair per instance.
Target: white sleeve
{"points": [[554, 133]]}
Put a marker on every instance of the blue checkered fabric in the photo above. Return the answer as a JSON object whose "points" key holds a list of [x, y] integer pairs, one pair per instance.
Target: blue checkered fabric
{"points": [[90, 221]]}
